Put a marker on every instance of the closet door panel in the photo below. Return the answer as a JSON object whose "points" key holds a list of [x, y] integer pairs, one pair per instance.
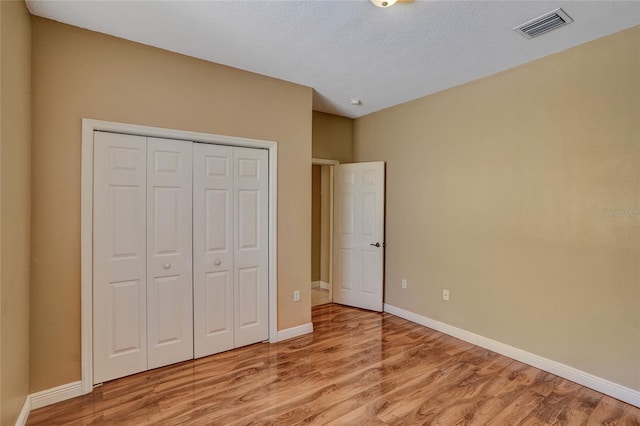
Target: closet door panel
{"points": [[251, 246], [169, 251], [249, 297], [119, 256], [213, 249]]}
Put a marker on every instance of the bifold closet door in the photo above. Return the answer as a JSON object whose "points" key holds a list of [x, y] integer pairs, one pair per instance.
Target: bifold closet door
{"points": [[230, 248], [119, 256], [180, 251], [251, 246], [142, 254], [212, 249], [169, 251]]}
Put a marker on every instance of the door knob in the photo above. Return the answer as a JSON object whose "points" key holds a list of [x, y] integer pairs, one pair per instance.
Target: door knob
{"points": [[167, 266], [375, 245], [218, 262]]}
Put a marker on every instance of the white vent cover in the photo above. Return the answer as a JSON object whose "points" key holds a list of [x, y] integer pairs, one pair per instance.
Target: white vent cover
{"points": [[545, 23]]}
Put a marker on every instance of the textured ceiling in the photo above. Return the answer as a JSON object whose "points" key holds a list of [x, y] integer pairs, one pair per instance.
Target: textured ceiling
{"points": [[350, 49]]}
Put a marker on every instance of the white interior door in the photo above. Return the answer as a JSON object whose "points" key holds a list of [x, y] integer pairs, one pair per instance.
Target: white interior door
{"points": [[169, 251], [119, 256], [359, 235], [213, 201], [251, 251]]}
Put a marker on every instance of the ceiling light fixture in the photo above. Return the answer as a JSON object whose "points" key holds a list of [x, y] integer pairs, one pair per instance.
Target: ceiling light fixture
{"points": [[384, 3], [355, 101]]}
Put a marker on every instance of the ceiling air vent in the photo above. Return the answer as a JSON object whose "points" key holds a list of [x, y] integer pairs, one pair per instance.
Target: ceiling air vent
{"points": [[545, 23]]}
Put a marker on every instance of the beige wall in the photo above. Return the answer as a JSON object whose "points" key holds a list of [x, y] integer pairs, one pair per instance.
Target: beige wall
{"points": [[332, 137], [78, 73], [15, 206], [316, 213], [332, 140], [496, 190]]}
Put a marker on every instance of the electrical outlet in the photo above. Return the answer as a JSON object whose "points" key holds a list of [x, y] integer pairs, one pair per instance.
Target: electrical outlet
{"points": [[296, 296], [404, 284], [445, 295]]}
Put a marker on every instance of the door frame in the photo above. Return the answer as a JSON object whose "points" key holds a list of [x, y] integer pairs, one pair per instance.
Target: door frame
{"points": [[89, 126], [330, 163]]}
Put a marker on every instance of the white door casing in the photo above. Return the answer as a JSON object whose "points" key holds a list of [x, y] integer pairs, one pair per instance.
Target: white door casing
{"points": [[359, 235], [213, 266], [119, 256], [169, 251], [251, 250]]}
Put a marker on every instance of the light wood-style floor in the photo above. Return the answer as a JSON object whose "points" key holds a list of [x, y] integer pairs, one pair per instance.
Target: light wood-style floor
{"points": [[358, 368], [319, 296]]}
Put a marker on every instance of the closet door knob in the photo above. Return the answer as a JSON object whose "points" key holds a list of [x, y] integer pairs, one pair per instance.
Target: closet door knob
{"points": [[167, 266], [218, 262]]}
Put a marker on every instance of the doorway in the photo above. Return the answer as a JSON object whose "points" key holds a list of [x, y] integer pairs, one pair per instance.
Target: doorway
{"points": [[321, 231]]}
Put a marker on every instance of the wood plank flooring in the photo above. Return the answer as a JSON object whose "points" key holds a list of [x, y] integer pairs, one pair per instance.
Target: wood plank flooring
{"points": [[319, 296], [357, 368]]}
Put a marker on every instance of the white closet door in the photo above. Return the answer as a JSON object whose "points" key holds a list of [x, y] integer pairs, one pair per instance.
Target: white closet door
{"points": [[213, 249], [119, 256], [251, 285], [169, 251]]}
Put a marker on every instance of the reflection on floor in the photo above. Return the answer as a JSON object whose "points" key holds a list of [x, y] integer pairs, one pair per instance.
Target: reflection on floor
{"points": [[357, 368], [319, 296]]}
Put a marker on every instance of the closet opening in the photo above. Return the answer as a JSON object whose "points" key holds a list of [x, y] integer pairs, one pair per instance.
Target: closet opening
{"points": [[132, 170]]}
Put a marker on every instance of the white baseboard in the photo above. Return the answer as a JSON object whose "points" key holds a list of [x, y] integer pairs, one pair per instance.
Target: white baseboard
{"points": [[53, 395], [292, 332], [47, 397], [320, 284], [24, 413], [599, 384]]}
